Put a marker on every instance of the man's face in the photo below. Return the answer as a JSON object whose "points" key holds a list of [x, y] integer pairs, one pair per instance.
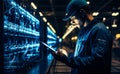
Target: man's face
{"points": [[76, 21]]}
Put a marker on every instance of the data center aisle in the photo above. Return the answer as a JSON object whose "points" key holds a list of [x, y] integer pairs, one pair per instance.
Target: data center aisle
{"points": [[59, 68], [115, 69]]}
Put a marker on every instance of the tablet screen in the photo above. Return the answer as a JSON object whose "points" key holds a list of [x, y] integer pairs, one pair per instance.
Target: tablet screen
{"points": [[49, 47]]}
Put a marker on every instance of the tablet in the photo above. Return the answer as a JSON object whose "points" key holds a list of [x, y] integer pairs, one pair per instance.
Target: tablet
{"points": [[49, 47]]}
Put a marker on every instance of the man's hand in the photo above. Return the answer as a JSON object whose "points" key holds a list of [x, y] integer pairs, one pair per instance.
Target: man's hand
{"points": [[61, 55], [63, 51]]}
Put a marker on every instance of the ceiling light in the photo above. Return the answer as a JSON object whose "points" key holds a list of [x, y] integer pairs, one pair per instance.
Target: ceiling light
{"points": [[107, 27], [115, 13], [40, 13], [95, 14], [117, 36], [114, 24], [33, 5], [48, 23], [51, 27], [44, 19], [104, 19], [33, 13], [74, 38], [88, 2]]}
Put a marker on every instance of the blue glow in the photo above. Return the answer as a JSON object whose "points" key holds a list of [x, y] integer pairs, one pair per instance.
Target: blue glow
{"points": [[24, 46], [13, 3], [50, 32], [24, 12], [51, 37], [21, 36], [14, 27], [51, 42], [60, 40], [49, 57]]}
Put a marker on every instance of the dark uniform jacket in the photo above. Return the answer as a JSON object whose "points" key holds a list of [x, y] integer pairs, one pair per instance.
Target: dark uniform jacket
{"points": [[93, 50]]}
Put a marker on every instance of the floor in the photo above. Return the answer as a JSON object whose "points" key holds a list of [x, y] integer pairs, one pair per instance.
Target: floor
{"points": [[115, 69]]}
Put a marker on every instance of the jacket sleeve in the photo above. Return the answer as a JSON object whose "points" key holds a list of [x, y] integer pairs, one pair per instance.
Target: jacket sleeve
{"points": [[99, 47]]}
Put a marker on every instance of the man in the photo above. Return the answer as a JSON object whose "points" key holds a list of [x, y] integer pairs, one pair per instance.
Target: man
{"points": [[93, 48]]}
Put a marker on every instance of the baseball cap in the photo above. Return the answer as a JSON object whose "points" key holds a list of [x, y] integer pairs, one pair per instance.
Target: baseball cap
{"points": [[72, 7]]}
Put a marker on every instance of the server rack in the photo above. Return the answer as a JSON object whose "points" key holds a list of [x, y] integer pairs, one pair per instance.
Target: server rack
{"points": [[21, 38]]}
